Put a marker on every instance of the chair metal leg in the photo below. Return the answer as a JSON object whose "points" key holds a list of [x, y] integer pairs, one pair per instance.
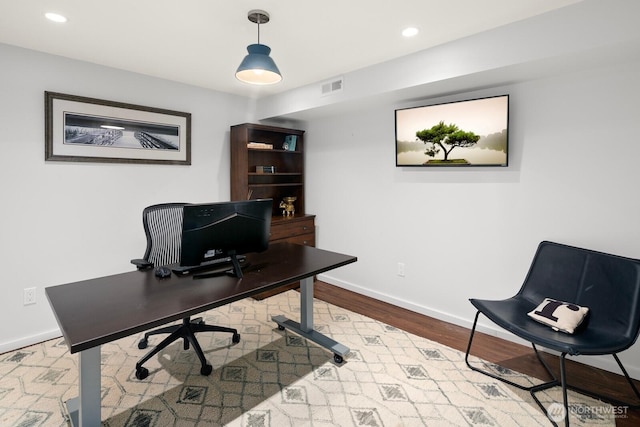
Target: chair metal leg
{"points": [[562, 382], [543, 363], [497, 377], [610, 399], [629, 380], [531, 389]]}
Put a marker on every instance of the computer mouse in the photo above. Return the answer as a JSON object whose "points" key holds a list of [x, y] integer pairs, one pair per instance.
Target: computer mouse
{"points": [[162, 271]]}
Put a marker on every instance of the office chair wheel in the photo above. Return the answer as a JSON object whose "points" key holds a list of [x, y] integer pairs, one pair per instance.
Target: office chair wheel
{"points": [[206, 369], [235, 339], [142, 373], [337, 358], [142, 344]]}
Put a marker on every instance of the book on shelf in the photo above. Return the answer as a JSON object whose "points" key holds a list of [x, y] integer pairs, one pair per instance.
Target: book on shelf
{"points": [[260, 145], [265, 169]]}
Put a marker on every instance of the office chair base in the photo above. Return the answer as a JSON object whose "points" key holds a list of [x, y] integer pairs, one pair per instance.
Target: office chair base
{"points": [[185, 331], [555, 382]]}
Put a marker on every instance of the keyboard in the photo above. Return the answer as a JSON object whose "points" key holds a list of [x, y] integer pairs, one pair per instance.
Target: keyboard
{"points": [[214, 264]]}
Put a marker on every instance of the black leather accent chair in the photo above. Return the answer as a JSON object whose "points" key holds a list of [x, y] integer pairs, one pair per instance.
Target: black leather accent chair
{"points": [[163, 229], [608, 285]]}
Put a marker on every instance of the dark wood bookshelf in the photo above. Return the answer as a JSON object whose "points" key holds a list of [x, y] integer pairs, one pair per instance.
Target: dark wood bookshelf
{"points": [[286, 181], [288, 178]]}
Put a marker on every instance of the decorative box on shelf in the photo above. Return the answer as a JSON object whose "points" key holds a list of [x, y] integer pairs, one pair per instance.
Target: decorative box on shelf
{"points": [[290, 142], [265, 169]]}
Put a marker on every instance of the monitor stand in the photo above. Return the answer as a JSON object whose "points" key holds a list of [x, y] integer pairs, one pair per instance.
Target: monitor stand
{"points": [[237, 264], [214, 264], [237, 270]]}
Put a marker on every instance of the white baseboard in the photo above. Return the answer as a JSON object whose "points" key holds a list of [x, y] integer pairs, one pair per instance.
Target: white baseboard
{"points": [[606, 363], [27, 341]]}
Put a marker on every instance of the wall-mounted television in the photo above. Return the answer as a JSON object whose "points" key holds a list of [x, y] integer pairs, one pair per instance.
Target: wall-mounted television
{"points": [[473, 132]]}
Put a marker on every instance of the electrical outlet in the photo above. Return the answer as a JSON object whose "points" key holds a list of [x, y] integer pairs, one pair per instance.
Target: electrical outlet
{"points": [[29, 296], [401, 269]]}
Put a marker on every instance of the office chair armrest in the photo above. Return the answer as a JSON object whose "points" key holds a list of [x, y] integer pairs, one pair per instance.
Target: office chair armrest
{"points": [[142, 264]]}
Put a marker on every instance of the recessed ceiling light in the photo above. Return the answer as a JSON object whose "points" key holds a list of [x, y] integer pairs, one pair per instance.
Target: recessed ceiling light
{"points": [[55, 17], [410, 31]]}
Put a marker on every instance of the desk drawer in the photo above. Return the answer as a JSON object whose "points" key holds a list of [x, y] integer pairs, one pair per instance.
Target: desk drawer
{"points": [[303, 239], [289, 228], [300, 230]]}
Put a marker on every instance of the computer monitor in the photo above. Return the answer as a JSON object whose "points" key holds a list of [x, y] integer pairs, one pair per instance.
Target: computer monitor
{"points": [[225, 229]]}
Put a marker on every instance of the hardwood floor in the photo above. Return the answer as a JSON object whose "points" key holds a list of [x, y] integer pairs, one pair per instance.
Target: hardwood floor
{"points": [[514, 356]]}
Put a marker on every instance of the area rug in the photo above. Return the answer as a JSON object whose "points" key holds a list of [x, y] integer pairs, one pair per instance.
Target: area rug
{"points": [[274, 378]]}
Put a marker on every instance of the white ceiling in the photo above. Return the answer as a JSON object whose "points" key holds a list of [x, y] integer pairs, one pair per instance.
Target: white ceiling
{"points": [[201, 42]]}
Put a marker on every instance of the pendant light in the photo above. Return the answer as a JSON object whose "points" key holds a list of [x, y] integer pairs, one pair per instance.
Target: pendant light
{"points": [[258, 67]]}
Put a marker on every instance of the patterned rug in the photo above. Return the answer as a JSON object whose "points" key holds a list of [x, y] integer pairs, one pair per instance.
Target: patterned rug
{"points": [[274, 378]]}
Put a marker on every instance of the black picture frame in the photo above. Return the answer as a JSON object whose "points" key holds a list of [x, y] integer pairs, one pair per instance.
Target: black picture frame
{"points": [[476, 133], [82, 129]]}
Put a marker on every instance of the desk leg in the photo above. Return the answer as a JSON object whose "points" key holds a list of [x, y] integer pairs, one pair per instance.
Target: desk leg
{"points": [[305, 327], [306, 304], [84, 410]]}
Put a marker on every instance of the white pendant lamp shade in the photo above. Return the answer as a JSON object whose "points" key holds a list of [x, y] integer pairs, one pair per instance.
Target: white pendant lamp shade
{"points": [[258, 67]]}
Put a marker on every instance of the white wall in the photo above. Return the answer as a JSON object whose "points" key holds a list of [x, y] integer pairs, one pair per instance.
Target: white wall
{"points": [[543, 45], [62, 221], [461, 233], [466, 233]]}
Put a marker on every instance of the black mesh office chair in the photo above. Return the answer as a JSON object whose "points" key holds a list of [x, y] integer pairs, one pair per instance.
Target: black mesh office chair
{"points": [[163, 228]]}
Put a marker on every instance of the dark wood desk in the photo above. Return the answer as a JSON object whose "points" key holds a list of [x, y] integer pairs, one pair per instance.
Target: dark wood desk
{"points": [[97, 311]]}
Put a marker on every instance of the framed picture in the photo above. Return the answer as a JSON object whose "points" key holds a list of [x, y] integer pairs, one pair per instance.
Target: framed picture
{"points": [[467, 133], [80, 129]]}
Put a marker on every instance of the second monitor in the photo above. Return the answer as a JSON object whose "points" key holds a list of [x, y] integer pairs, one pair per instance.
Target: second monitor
{"points": [[225, 229]]}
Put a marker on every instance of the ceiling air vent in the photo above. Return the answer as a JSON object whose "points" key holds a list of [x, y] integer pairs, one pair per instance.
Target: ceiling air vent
{"points": [[332, 86]]}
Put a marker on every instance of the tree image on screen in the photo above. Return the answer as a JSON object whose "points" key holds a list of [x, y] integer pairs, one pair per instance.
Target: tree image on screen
{"points": [[445, 138]]}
